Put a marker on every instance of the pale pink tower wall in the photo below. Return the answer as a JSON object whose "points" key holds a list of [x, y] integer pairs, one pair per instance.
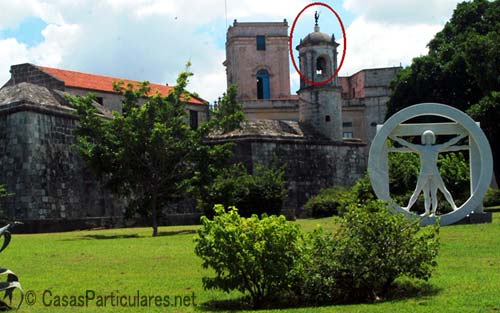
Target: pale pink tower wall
{"points": [[244, 60]]}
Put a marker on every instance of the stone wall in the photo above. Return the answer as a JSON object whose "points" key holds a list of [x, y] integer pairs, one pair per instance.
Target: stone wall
{"points": [[310, 166], [28, 73], [47, 177], [321, 107], [272, 109]]}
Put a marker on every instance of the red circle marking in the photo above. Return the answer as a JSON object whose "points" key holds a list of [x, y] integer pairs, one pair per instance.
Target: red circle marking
{"points": [[291, 47]]}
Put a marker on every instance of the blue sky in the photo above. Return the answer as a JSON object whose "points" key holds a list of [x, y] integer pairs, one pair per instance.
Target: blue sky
{"points": [[153, 39]]}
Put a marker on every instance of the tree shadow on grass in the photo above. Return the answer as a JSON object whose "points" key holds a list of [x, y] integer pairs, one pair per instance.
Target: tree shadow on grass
{"points": [[99, 236], [406, 289], [399, 291], [177, 232], [128, 236]]}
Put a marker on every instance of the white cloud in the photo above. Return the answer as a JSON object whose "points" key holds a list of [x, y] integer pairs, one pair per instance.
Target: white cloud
{"points": [[403, 11], [373, 44], [11, 52], [137, 39], [153, 39]]}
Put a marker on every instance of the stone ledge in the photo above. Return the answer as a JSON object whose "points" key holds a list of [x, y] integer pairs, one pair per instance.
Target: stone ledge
{"points": [[476, 218]]}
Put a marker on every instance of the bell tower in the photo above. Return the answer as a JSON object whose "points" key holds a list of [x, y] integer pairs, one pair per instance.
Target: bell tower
{"points": [[320, 104]]}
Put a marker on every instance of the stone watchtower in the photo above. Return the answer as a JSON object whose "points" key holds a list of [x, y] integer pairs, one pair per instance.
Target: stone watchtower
{"points": [[257, 60], [320, 105]]}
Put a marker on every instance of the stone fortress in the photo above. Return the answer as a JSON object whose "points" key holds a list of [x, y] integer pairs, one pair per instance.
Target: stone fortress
{"points": [[321, 134], [257, 60], [52, 189]]}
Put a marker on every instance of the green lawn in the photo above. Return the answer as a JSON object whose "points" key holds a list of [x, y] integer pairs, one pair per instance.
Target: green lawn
{"points": [[126, 260]]}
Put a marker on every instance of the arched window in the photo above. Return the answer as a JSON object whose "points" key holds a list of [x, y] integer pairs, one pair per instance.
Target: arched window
{"points": [[321, 66], [263, 91]]}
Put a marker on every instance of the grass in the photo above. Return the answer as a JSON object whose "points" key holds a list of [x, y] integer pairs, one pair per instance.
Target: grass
{"points": [[126, 260]]}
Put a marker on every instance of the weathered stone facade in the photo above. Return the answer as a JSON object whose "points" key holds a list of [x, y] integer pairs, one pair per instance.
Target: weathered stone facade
{"points": [[47, 178], [52, 189], [312, 162]]}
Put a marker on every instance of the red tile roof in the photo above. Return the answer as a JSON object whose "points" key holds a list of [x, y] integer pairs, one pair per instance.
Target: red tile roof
{"points": [[105, 83]]}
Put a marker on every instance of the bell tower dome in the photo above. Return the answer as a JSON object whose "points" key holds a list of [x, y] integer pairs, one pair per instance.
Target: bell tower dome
{"points": [[320, 103]]}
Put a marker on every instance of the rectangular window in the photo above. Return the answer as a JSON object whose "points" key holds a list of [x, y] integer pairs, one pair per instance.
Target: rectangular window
{"points": [[193, 119], [261, 42], [99, 100], [347, 124], [347, 135]]}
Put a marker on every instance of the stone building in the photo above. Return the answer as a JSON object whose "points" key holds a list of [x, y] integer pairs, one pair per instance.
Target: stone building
{"points": [[257, 60], [320, 134], [307, 132], [52, 189]]}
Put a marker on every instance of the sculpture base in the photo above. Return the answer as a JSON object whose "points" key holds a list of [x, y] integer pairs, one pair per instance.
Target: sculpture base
{"points": [[476, 218]]}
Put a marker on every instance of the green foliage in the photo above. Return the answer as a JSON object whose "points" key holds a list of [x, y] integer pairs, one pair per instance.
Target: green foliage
{"points": [[455, 170], [492, 197], [372, 248], [228, 114], [362, 191], [148, 154], [330, 201], [403, 172], [144, 153], [251, 255], [335, 200], [268, 257], [462, 69], [261, 192]]}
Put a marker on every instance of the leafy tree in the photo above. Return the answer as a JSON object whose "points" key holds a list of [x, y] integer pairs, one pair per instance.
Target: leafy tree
{"points": [[330, 201], [147, 154], [211, 159], [462, 67], [228, 114], [262, 191]]}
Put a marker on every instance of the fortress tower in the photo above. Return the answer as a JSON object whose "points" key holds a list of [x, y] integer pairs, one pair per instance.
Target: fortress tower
{"points": [[257, 60], [320, 105]]}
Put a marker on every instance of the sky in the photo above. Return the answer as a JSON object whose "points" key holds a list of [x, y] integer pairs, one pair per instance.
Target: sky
{"points": [[153, 39]]}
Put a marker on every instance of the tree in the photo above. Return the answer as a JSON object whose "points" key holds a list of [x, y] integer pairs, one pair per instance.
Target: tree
{"points": [[147, 154], [229, 112], [211, 160], [262, 191], [462, 68]]}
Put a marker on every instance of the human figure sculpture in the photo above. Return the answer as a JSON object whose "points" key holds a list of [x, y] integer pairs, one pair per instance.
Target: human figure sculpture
{"points": [[429, 179]]}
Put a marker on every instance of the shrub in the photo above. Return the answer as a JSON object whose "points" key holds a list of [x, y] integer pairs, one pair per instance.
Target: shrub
{"points": [[372, 248], [492, 197], [330, 201], [362, 190], [253, 255], [262, 192]]}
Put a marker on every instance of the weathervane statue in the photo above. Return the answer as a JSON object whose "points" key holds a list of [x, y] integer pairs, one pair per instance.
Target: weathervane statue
{"points": [[429, 180], [316, 17]]}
